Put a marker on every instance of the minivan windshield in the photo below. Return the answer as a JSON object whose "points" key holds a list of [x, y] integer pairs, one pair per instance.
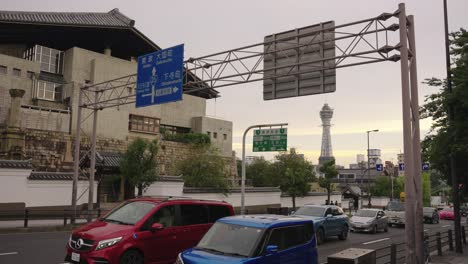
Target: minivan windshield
{"points": [[310, 211], [230, 239], [129, 213], [395, 206], [366, 213]]}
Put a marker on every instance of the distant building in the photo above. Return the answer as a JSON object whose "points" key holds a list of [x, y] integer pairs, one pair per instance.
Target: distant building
{"points": [[250, 159], [374, 157], [401, 160], [360, 158], [326, 153]]}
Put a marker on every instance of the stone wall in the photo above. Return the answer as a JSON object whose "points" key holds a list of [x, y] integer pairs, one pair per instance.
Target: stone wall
{"points": [[53, 151]]}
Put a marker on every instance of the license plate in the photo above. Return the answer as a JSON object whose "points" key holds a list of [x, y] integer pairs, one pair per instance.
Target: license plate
{"points": [[75, 257]]}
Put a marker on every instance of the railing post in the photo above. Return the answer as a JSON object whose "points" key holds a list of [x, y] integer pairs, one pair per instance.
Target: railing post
{"points": [[26, 216], [450, 238], [64, 217], [463, 234], [439, 244], [393, 253]]}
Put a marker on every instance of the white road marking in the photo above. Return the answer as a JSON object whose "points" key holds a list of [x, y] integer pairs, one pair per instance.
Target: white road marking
{"points": [[8, 253], [376, 241], [446, 226]]}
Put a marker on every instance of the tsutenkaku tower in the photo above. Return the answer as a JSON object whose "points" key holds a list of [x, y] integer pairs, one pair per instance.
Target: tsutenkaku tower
{"points": [[326, 153]]}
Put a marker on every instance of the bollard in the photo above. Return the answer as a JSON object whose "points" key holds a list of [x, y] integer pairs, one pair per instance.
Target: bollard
{"points": [[450, 238], [393, 254], [463, 234], [26, 216], [439, 245]]}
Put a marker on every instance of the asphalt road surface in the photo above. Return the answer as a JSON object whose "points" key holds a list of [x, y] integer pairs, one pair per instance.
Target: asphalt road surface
{"points": [[49, 247]]}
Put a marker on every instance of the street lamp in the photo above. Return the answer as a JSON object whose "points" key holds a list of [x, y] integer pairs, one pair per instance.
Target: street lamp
{"points": [[368, 165]]}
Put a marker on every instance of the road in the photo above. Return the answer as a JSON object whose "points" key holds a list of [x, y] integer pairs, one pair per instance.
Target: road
{"points": [[49, 247]]}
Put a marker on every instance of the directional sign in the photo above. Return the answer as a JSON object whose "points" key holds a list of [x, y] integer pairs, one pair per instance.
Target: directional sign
{"points": [[379, 167], [401, 166], [160, 77], [275, 139], [425, 166]]}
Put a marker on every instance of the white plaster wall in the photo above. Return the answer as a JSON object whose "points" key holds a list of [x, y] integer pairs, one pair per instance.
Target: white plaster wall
{"points": [[251, 198], [51, 193], [315, 199], [379, 201], [161, 188], [13, 185]]}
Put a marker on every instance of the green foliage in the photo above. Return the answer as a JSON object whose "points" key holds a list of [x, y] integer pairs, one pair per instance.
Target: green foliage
{"points": [[449, 138], [329, 172], [207, 169], [139, 165], [261, 172], [382, 186], [192, 138], [399, 186], [293, 174], [426, 186]]}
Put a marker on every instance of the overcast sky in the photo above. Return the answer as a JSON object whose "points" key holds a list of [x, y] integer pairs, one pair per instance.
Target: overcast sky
{"points": [[366, 97]]}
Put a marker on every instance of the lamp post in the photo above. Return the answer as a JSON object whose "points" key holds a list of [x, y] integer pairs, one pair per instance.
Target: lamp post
{"points": [[368, 165]]}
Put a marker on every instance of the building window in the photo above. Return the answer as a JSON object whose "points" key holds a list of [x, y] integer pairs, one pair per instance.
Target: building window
{"points": [[174, 129], [215, 135], [30, 74], [225, 136], [208, 133], [143, 124], [48, 90], [3, 69], [16, 72], [51, 60]]}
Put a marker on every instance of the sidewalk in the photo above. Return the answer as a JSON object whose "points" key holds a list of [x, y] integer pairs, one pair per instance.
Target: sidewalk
{"points": [[450, 257]]}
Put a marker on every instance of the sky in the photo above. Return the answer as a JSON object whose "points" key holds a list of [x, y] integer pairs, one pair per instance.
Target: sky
{"points": [[367, 97]]}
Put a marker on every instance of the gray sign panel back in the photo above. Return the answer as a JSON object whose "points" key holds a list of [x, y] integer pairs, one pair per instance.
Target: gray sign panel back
{"points": [[300, 62]]}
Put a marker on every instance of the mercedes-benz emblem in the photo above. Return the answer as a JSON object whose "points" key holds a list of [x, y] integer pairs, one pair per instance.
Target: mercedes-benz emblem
{"points": [[79, 243]]}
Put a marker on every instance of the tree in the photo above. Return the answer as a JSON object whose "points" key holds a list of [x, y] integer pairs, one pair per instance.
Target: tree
{"points": [[261, 173], [382, 186], [329, 172], [399, 187], [138, 165], [293, 174], [449, 138], [205, 169]]}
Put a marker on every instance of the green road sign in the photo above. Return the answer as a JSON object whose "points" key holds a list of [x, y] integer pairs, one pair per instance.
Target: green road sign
{"points": [[274, 139]]}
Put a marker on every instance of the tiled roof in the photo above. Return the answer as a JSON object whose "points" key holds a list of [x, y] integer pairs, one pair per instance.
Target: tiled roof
{"points": [[54, 176], [112, 18], [109, 159], [15, 164]]}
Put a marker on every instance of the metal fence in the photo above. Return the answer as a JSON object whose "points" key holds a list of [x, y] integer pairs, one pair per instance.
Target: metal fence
{"points": [[47, 214]]}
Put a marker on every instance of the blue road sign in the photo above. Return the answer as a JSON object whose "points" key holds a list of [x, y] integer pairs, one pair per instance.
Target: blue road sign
{"points": [[379, 167], [425, 166], [160, 77], [401, 166]]}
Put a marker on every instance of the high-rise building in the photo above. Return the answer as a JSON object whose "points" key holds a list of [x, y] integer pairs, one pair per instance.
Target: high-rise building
{"points": [[326, 153]]}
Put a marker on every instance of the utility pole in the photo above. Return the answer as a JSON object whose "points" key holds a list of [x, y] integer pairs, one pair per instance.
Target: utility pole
{"points": [[368, 166], [453, 175]]}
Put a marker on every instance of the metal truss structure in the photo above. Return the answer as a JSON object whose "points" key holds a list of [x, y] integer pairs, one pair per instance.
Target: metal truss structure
{"points": [[387, 37]]}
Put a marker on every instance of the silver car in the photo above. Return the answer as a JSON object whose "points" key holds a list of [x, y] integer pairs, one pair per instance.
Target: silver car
{"points": [[368, 220]]}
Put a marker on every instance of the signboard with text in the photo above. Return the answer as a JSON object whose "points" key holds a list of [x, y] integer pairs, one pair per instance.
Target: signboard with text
{"points": [[160, 77], [274, 139]]}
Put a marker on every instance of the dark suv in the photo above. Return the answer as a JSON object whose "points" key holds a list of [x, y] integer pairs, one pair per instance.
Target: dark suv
{"points": [[145, 230]]}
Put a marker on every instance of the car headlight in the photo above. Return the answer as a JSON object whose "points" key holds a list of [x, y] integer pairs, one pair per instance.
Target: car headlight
{"points": [[179, 259], [108, 243]]}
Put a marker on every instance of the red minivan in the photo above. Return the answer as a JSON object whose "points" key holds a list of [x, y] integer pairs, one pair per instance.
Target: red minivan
{"points": [[145, 230]]}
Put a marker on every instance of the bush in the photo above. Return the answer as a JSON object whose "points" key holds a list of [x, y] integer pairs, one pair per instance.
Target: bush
{"points": [[192, 138]]}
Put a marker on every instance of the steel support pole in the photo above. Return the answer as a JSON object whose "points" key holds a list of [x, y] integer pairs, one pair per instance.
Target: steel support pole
{"points": [[407, 139], [76, 161], [243, 160], [368, 172], [417, 169], [92, 168], [453, 172]]}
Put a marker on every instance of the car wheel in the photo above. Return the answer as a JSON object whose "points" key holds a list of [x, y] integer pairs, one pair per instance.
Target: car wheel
{"points": [[344, 233], [374, 229], [320, 236], [131, 257]]}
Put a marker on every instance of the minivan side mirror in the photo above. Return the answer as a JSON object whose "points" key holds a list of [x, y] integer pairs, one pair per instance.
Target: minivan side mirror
{"points": [[271, 249], [157, 226]]}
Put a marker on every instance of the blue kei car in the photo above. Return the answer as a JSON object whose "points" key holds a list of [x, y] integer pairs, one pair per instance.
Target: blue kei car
{"points": [[258, 239], [329, 220]]}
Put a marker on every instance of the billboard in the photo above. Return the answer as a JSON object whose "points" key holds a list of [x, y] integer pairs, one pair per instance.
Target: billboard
{"points": [[300, 62]]}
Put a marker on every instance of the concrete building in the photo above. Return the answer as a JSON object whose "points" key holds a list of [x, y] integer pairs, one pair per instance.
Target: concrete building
{"points": [[46, 57]]}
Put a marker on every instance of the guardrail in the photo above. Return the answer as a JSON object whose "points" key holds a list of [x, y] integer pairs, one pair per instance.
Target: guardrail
{"points": [[47, 214], [435, 244]]}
